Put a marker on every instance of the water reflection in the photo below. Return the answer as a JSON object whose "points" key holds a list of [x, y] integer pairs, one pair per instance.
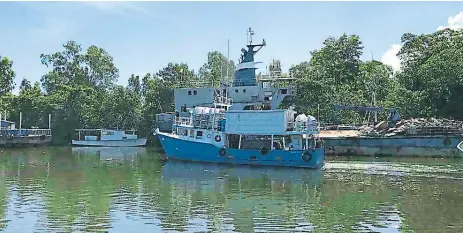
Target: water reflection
{"points": [[131, 189]]}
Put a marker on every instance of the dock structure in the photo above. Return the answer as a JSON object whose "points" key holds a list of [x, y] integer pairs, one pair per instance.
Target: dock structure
{"points": [[10, 136]]}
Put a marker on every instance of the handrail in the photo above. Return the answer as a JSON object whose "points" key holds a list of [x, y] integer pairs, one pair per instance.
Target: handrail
{"points": [[183, 121], [25, 132]]}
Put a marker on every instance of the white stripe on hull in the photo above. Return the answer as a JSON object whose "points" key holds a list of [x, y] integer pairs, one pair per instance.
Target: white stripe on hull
{"points": [[115, 143]]}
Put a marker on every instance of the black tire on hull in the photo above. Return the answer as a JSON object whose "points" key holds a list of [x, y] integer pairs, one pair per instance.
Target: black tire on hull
{"points": [[222, 152], [307, 156]]}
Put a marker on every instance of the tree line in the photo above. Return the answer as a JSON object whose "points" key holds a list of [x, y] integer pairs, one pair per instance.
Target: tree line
{"points": [[80, 90]]}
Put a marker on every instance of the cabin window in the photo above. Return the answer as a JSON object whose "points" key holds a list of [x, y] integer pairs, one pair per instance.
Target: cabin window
{"points": [[199, 133], [183, 108], [244, 90], [107, 133], [182, 132], [195, 92], [236, 90], [189, 92], [284, 91]]}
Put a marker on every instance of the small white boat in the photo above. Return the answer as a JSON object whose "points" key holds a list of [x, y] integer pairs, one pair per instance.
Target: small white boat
{"points": [[107, 138]]}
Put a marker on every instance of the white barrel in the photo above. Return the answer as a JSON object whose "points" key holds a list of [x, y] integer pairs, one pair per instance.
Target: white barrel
{"points": [[311, 121], [301, 118], [206, 110]]}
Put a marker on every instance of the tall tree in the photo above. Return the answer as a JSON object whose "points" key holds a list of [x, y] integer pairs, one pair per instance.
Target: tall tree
{"points": [[330, 78], [432, 72], [216, 68], [144, 83], [376, 79], [94, 68], [6, 75], [134, 84], [176, 73], [25, 85]]}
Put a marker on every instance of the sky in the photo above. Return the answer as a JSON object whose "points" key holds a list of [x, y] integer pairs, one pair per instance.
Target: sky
{"points": [[144, 37]]}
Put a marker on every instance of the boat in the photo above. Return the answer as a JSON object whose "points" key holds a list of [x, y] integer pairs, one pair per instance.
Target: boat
{"points": [[251, 136], [107, 138], [393, 137], [10, 136]]}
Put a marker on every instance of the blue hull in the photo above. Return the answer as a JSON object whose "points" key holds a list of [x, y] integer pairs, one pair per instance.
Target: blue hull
{"points": [[203, 152]]}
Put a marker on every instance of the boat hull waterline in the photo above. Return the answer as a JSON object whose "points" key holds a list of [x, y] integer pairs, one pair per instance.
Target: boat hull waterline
{"points": [[203, 152], [112, 143]]}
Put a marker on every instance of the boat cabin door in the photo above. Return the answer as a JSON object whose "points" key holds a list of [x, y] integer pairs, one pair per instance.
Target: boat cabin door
{"points": [[296, 142]]}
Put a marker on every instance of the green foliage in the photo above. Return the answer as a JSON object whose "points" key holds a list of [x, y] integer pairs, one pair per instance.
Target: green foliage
{"points": [[6, 75], [332, 76], [95, 68], [216, 68], [175, 73], [432, 72]]}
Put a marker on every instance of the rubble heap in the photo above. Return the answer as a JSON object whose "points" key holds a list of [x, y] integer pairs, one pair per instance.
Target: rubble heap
{"points": [[415, 126]]}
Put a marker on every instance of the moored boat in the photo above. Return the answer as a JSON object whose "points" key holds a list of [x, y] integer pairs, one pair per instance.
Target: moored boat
{"points": [[245, 137], [218, 131], [108, 138], [10, 136]]}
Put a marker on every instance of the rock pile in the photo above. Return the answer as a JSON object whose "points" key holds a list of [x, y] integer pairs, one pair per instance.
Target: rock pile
{"points": [[415, 126]]}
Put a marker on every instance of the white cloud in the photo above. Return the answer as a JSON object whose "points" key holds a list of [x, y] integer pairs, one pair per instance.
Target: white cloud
{"points": [[390, 57], [455, 22], [118, 7]]}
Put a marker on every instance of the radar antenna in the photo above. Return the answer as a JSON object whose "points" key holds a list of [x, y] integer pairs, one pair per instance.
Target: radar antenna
{"points": [[250, 34]]}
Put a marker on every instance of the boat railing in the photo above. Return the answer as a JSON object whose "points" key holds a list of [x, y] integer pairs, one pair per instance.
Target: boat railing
{"points": [[303, 127], [25, 132], [185, 121]]}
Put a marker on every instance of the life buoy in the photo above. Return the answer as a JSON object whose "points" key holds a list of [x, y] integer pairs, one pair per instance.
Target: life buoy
{"points": [[264, 150], [217, 138], [307, 156], [222, 152]]}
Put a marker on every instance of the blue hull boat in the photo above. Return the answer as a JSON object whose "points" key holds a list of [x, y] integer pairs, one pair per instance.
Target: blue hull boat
{"points": [[184, 150], [248, 129]]}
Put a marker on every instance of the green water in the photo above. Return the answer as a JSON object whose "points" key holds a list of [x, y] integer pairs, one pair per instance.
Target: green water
{"points": [[132, 190]]}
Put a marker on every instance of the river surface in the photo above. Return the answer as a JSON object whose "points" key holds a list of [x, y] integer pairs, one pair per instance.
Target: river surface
{"points": [[132, 190]]}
